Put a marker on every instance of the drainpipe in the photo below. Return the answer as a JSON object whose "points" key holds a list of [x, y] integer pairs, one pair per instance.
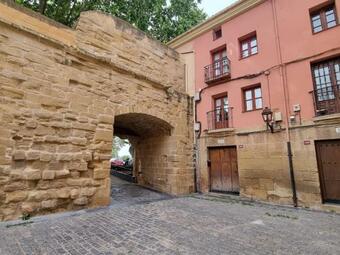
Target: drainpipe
{"points": [[286, 104], [197, 137]]}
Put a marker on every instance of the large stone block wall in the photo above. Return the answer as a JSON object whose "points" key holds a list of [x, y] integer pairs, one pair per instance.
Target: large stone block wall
{"points": [[60, 90], [263, 162]]}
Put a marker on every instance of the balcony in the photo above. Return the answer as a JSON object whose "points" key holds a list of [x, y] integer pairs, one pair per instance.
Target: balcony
{"points": [[217, 72], [219, 119], [326, 101]]}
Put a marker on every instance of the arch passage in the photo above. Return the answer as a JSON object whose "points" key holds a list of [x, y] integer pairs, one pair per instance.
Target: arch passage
{"points": [[153, 148], [140, 125]]}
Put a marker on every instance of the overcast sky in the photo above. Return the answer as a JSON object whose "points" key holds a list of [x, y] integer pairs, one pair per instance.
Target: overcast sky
{"points": [[213, 6]]}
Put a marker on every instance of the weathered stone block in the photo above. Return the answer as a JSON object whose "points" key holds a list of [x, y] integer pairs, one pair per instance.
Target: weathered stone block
{"points": [[31, 124], [46, 157], [101, 174], [40, 195], [84, 126], [81, 201], [87, 192], [12, 92], [32, 174], [104, 135], [64, 193], [65, 156], [75, 193], [62, 173], [48, 175], [81, 182], [32, 155], [17, 175], [78, 141], [78, 166], [106, 119], [19, 155], [14, 186], [49, 204], [87, 156], [16, 196]]}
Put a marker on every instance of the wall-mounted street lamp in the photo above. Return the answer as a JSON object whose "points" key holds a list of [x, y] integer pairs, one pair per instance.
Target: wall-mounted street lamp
{"points": [[267, 116]]}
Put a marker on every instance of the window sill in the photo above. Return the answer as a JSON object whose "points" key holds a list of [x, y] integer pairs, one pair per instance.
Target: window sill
{"points": [[248, 56], [220, 130], [324, 30], [256, 110], [327, 117]]}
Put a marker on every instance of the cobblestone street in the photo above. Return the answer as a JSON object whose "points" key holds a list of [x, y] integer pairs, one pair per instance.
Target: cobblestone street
{"points": [[200, 224], [126, 193]]}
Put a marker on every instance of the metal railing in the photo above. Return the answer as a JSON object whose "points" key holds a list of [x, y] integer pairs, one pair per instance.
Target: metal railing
{"points": [[217, 71], [326, 100], [219, 118]]}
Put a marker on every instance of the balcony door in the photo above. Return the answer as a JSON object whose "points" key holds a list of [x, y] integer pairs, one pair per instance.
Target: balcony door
{"points": [[327, 86], [221, 112], [220, 62]]}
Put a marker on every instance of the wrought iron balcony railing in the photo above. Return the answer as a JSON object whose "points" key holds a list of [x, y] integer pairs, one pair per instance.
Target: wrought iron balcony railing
{"points": [[219, 118], [217, 72], [326, 100]]}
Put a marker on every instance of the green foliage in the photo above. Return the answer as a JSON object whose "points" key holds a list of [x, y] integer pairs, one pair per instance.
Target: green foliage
{"points": [[162, 19], [117, 145], [26, 216]]}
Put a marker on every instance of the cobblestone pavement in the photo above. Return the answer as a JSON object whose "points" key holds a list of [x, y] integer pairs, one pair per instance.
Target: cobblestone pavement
{"points": [[126, 193], [200, 224]]}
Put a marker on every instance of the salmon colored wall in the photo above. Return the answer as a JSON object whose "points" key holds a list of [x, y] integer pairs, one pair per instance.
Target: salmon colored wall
{"points": [[297, 41]]}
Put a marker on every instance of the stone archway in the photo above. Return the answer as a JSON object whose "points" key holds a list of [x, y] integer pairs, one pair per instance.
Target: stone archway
{"points": [[61, 93], [153, 145]]}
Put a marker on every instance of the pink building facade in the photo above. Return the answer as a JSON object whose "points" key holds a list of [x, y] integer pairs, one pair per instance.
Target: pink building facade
{"points": [[280, 55]]}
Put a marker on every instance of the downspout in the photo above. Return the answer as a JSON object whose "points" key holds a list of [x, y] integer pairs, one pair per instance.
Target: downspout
{"points": [[286, 104], [197, 137]]}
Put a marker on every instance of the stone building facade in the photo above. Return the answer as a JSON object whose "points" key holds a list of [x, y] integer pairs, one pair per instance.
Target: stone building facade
{"points": [[283, 55], [65, 92]]}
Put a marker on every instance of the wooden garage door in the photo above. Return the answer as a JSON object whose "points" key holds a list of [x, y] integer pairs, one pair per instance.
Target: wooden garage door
{"points": [[223, 169], [328, 154]]}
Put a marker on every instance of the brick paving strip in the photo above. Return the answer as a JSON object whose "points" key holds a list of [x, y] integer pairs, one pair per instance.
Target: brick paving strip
{"points": [[198, 224]]}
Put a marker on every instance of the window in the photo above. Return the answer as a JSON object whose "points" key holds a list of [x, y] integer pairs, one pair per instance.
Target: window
{"points": [[252, 98], [248, 46], [217, 33], [323, 18], [221, 112], [221, 106], [327, 79], [220, 62]]}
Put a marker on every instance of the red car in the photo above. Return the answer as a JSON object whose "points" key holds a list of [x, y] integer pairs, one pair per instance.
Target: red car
{"points": [[117, 162]]}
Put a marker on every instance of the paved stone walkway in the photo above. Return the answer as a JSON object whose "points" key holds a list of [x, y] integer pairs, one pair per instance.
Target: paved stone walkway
{"points": [[189, 225], [126, 193]]}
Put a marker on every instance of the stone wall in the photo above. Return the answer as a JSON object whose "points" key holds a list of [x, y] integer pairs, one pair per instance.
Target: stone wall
{"points": [[263, 161], [60, 90]]}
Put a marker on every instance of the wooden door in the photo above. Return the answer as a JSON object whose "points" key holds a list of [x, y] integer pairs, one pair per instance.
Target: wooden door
{"points": [[223, 169], [328, 155]]}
